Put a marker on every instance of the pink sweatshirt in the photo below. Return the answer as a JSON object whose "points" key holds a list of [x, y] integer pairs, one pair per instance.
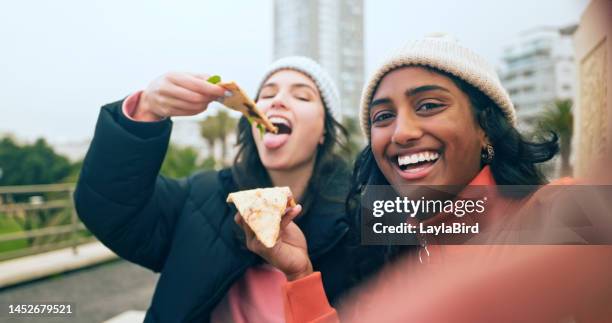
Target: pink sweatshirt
{"points": [[256, 296]]}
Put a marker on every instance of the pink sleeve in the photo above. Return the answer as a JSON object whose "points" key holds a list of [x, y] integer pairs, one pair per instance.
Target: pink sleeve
{"points": [[130, 104], [305, 301]]}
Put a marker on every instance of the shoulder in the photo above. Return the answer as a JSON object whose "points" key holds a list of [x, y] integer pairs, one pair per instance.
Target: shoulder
{"points": [[567, 211], [204, 177], [565, 181], [335, 177]]}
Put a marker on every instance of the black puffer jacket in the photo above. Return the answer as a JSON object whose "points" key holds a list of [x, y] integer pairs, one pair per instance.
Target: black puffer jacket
{"points": [[184, 228]]}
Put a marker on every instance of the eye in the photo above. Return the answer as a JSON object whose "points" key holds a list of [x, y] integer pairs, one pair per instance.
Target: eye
{"points": [[267, 93], [302, 95], [429, 107], [381, 117]]}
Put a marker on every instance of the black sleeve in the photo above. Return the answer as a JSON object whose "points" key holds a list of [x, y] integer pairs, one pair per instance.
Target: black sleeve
{"points": [[119, 195]]}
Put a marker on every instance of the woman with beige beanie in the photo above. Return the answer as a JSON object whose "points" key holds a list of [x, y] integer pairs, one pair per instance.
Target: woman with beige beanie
{"points": [[435, 113]]}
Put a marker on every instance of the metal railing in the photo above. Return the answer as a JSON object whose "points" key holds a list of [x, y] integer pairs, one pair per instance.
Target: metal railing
{"points": [[38, 218]]}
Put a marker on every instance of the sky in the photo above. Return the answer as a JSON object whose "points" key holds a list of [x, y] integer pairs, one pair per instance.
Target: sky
{"points": [[60, 61]]}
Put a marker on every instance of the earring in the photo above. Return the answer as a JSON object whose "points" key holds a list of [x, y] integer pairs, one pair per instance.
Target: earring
{"points": [[487, 154]]}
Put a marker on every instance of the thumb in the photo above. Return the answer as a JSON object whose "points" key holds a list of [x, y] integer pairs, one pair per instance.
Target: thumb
{"points": [[290, 214]]}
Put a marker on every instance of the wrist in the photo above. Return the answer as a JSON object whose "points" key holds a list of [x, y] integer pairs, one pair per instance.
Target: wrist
{"points": [[300, 274]]}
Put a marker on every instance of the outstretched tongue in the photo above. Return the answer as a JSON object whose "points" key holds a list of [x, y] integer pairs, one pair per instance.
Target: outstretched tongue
{"points": [[274, 141]]}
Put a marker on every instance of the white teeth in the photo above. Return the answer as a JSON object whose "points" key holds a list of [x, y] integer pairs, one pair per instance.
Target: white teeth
{"points": [[280, 120], [414, 159], [417, 158]]}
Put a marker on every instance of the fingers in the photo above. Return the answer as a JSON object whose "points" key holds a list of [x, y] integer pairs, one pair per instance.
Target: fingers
{"points": [[290, 214], [184, 94], [249, 234], [179, 104], [196, 84]]}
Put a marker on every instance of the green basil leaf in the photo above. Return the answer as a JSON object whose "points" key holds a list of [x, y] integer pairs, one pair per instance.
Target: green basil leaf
{"points": [[214, 79], [262, 129]]}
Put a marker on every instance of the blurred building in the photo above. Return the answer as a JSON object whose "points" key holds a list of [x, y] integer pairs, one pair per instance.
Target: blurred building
{"points": [[539, 69], [330, 32]]}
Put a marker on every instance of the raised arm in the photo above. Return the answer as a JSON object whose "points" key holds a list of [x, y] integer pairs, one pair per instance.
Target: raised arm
{"points": [[120, 196]]}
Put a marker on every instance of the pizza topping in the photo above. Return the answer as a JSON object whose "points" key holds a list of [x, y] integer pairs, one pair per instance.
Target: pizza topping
{"points": [[240, 101], [214, 79]]}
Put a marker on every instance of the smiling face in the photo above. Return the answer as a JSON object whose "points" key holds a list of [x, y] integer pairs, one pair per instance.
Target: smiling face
{"points": [[423, 130], [292, 102]]}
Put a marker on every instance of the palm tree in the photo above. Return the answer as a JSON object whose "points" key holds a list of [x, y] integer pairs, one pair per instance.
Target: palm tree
{"points": [[218, 127], [226, 124], [208, 131], [559, 119]]}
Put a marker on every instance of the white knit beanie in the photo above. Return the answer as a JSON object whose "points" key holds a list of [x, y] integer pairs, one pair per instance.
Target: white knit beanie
{"points": [[324, 82], [444, 53]]}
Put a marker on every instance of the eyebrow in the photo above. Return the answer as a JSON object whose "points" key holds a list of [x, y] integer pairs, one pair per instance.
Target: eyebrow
{"points": [[425, 88], [379, 102], [410, 92], [300, 85], [269, 85], [293, 86]]}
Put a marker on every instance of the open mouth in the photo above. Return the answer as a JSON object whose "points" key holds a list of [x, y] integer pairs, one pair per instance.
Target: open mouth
{"points": [[273, 141], [283, 125], [417, 163]]}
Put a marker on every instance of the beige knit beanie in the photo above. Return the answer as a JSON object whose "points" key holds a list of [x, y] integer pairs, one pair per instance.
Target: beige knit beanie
{"points": [[324, 82], [444, 53]]}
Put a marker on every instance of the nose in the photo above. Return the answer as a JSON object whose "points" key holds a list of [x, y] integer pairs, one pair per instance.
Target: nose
{"points": [[278, 101], [407, 128]]}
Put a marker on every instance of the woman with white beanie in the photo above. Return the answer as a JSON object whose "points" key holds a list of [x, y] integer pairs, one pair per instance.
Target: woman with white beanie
{"points": [[184, 228], [435, 113]]}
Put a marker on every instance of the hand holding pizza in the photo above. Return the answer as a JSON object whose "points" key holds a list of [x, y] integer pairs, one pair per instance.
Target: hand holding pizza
{"points": [[176, 94], [290, 253]]}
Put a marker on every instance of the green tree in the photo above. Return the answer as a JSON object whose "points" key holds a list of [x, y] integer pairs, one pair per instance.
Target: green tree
{"points": [[226, 124], [217, 128], [559, 119], [208, 131], [31, 164], [75, 171], [179, 162]]}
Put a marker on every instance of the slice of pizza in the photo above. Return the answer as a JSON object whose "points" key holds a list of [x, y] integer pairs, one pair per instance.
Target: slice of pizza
{"points": [[240, 101], [262, 209]]}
